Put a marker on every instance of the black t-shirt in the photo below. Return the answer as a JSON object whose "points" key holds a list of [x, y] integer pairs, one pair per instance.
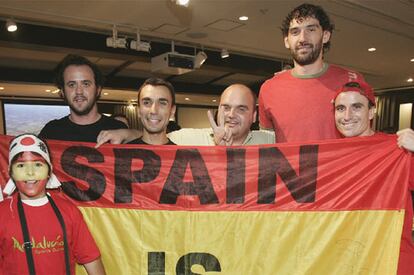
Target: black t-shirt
{"points": [[65, 129], [140, 141]]}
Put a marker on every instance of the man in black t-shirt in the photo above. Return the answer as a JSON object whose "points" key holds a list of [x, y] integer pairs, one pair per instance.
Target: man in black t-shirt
{"points": [[156, 105], [80, 83]]}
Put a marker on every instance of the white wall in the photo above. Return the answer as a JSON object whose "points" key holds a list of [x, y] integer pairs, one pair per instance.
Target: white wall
{"points": [[405, 115], [189, 117]]}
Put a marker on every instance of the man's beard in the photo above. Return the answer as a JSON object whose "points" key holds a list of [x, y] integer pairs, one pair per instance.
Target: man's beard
{"points": [[310, 57], [81, 112]]}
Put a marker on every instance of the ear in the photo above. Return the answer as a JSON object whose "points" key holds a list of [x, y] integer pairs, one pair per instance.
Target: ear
{"points": [[254, 115], [61, 93], [371, 113], [326, 37], [285, 39], [173, 109], [98, 92]]}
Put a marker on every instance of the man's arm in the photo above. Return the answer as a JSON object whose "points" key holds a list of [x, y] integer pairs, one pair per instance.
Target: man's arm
{"points": [[117, 136], [95, 267]]}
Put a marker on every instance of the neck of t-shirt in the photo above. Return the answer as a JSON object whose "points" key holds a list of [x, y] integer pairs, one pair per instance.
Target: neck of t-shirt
{"points": [[155, 138], [36, 202], [310, 72], [87, 119]]}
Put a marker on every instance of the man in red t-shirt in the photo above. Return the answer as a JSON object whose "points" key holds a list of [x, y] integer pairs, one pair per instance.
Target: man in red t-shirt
{"points": [[296, 103], [354, 105]]}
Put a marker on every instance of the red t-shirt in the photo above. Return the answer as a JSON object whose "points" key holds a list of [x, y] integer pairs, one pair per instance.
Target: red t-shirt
{"points": [[47, 238], [300, 109]]}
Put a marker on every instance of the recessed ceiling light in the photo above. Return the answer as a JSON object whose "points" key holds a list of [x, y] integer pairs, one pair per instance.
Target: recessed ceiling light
{"points": [[47, 90], [55, 91], [243, 18], [106, 93], [224, 53], [1, 88], [410, 79], [214, 100], [11, 26], [412, 60], [372, 49], [182, 2], [187, 98]]}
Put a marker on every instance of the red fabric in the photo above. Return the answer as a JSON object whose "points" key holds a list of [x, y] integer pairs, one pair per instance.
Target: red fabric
{"points": [[364, 173], [46, 232], [344, 168], [300, 109], [406, 262]]}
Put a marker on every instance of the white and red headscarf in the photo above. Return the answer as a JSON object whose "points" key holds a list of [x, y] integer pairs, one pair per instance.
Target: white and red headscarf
{"points": [[29, 143]]}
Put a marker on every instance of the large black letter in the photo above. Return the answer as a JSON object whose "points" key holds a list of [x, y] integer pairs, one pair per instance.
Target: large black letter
{"points": [[124, 176], [174, 186], [302, 187], [156, 263], [207, 260], [93, 177], [236, 167]]}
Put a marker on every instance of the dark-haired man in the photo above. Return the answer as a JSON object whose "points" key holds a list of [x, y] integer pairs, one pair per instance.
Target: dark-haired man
{"points": [[156, 105], [296, 103], [80, 83], [354, 105]]}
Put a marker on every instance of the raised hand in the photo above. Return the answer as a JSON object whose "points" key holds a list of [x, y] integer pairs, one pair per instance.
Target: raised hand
{"points": [[222, 134]]}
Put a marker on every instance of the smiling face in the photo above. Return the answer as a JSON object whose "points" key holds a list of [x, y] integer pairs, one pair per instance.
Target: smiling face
{"points": [[237, 105], [353, 114], [305, 40], [80, 91], [30, 173], [155, 108]]}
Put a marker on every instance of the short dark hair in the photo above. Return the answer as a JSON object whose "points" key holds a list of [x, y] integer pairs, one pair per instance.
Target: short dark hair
{"points": [[308, 10], [155, 81], [77, 60]]}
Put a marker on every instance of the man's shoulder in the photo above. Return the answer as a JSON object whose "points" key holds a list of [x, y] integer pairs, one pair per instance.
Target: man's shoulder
{"points": [[261, 137], [111, 122], [278, 79], [59, 121], [344, 72]]}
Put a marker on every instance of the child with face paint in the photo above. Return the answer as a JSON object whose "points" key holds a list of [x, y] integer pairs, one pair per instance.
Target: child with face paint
{"points": [[41, 233]]}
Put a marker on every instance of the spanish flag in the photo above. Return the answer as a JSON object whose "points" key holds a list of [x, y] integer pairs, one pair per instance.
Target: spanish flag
{"points": [[331, 207]]}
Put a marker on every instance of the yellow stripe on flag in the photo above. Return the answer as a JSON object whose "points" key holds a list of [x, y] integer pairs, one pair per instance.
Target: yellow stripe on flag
{"points": [[331, 242]]}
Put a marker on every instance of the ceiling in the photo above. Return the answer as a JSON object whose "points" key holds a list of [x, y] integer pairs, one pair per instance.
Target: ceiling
{"points": [[48, 30]]}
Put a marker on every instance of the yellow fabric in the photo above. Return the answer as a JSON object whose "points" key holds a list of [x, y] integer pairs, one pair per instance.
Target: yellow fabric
{"points": [[337, 242]]}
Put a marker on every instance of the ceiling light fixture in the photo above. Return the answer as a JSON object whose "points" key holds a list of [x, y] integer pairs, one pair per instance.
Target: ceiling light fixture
{"points": [[114, 41], [214, 100], [187, 99], [224, 53], [47, 90], [410, 79], [372, 49], [105, 93], [11, 25], [55, 91], [243, 18], [412, 60], [199, 59], [139, 45], [183, 3]]}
